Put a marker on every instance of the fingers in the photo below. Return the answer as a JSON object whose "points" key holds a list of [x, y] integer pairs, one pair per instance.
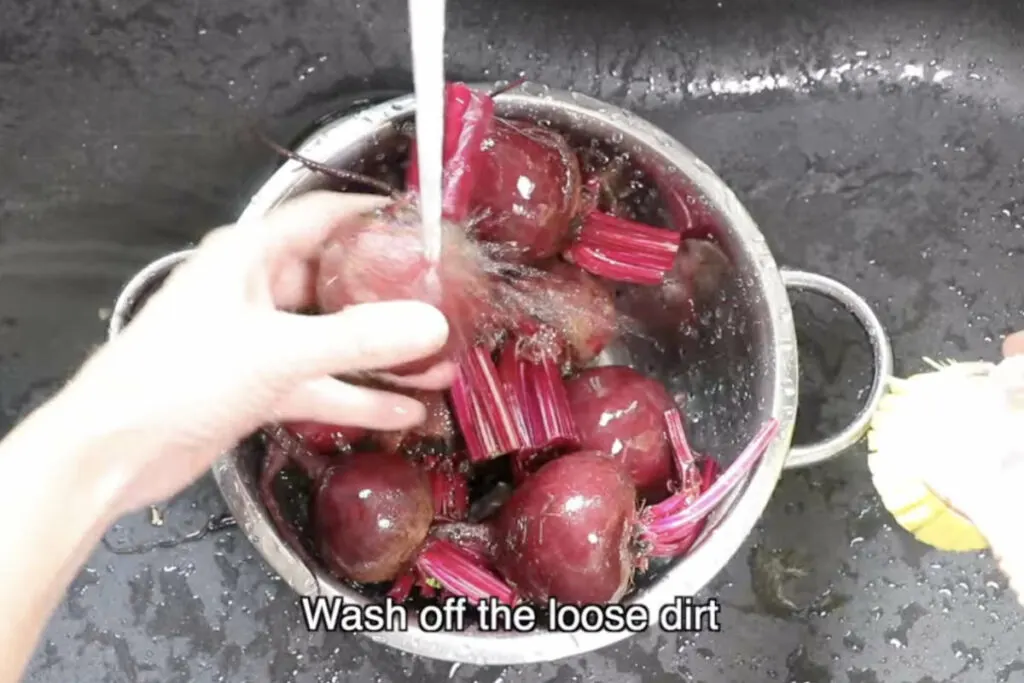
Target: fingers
{"points": [[1013, 345], [436, 378], [364, 337], [294, 234], [283, 243], [330, 401], [293, 286], [298, 228]]}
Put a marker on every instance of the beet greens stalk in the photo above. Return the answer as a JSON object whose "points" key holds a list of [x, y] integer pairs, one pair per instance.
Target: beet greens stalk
{"points": [[468, 116], [672, 523], [534, 383], [488, 421], [460, 573], [450, 489], [441, 565], [690, 481], [706, 473], [623, 250]]}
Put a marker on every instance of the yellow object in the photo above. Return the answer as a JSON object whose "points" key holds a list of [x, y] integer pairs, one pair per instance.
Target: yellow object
{"points": [[896, 467]]}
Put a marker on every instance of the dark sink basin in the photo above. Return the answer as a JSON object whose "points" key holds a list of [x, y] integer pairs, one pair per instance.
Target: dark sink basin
{"points": [[878, 142]]}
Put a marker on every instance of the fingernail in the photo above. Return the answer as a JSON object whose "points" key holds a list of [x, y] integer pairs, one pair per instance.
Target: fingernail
{"points": [[407, 413]]}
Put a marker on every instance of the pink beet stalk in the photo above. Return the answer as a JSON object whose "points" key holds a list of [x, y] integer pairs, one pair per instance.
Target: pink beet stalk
{"points": [[461, 574], [623, 250], [708, 472], [674, 519], [686, 462], [402, 587], [539, 393], [450, 490], [486, 418], [468, 117]]}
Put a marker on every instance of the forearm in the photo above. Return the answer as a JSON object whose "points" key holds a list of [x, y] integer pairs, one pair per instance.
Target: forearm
{"points": [[54, 508]]}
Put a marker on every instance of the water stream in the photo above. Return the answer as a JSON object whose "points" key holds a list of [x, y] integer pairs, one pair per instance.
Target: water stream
{"points": [[426, 33]]}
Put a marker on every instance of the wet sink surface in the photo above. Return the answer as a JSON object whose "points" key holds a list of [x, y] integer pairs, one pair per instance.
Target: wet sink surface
{"points": [[881, 144]]}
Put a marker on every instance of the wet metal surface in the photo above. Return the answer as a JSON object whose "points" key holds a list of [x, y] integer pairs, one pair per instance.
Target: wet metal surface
{"points": [[881, 144]]}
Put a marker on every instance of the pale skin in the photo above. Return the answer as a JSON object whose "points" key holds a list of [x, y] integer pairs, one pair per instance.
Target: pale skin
{"points": [[213, 356]]}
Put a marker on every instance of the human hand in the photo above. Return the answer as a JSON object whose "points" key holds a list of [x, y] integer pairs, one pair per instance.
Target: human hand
{"points": [[973, 455], [214, 354], [1013, 345]]}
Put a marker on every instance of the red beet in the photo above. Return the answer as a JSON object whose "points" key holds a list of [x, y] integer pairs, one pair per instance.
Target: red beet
{"points": [[531, 377], [370, 514], [572, 530], [449, 487], [385, 260], [577, 306], [689, 289], [326, 438], [566, 531], [619, 412], [527, 191], [520, 182]]}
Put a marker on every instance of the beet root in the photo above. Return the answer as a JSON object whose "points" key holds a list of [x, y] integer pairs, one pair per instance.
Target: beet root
{"points": [[566, 532], [371, 515], [620, 412], [527, 191], [371, 512], [385, 260], [690, 288], [572, 531], [577, 306]]}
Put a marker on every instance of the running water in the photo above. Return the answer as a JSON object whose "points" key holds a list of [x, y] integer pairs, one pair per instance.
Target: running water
{"points": [[426, 31]]}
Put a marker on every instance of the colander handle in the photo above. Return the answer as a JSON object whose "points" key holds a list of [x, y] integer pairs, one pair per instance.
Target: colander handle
{"points": [[881, 349], [138, 287]]}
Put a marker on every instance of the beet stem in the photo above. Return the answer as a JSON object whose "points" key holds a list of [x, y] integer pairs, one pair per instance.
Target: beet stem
{"points": [[538, 392], [276, 459], [336, 173], [666, 547], [460, 574], [299, 454], [451, 493], [686, 462], [402, 587], [672, 520], [468, 117], [482, 409], [623, 250], [507, 88]]}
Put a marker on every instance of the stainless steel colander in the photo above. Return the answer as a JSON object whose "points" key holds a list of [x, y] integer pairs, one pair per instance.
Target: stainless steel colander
{"points": [[735, 366]]}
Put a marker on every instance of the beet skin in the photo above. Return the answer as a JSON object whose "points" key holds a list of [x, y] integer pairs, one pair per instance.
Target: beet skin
{"points": [[619, 411], [566, 532], [371, 512]]}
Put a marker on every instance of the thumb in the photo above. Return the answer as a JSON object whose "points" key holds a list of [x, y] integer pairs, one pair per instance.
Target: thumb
{"points": [[1014, 344], [372, 336]]}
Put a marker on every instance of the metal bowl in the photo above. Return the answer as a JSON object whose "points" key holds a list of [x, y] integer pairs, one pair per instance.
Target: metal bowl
{"points": [[734, 365]]}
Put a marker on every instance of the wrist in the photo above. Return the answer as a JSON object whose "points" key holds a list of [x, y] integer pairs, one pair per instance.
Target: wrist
{"points": [[59, 450], [54, 509]]}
